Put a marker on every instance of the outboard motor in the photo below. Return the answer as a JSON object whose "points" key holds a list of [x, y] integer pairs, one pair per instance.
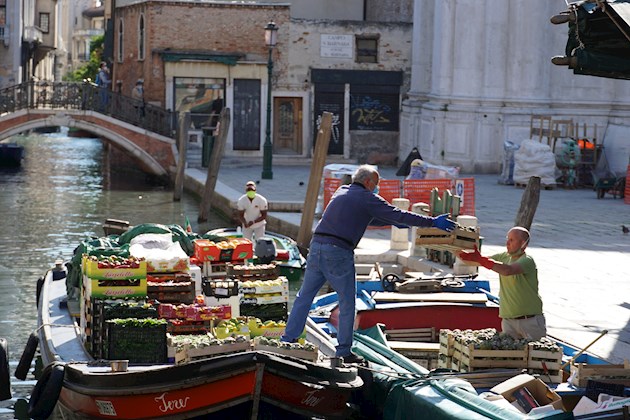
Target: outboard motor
{"points": [[265, 250]]}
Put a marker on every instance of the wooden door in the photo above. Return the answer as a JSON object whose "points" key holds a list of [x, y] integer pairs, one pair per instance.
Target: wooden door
{"points": [[287, 126]]}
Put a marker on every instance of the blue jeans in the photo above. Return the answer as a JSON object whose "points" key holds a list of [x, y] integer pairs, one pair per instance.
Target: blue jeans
{"points": [[330, 263]]}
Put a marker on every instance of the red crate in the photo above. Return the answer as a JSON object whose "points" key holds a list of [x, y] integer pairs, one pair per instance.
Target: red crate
{"points": [[244, 250], [206, 250]]}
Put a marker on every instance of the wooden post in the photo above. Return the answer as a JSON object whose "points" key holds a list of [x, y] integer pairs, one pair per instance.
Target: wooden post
{"points": [[182, 139], [317, 166], [529, 203], [214, 164]]}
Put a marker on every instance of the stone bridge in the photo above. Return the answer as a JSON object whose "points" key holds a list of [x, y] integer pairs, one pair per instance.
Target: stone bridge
{"points": [[145, 132]]}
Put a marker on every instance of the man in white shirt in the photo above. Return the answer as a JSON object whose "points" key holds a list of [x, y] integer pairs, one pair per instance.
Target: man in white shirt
{"points": [[252, 212]]}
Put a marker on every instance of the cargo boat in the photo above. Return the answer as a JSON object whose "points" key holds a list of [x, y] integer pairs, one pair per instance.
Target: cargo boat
{"points": [[404, 338], [77, 385]]}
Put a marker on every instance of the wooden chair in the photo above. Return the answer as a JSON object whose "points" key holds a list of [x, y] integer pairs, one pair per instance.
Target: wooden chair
{"points": [[540, 126]]}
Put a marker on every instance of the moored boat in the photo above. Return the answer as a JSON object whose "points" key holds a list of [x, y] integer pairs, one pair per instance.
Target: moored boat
{"points": [[419, 365], [286, 256], [91, 372], [11, 155]]}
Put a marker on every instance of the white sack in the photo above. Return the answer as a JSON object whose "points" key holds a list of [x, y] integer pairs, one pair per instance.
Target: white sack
{"points": [[534, 159], [157, 247]]}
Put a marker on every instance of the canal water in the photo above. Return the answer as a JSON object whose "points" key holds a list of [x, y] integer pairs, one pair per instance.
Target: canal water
{"points": [[60, 196]]}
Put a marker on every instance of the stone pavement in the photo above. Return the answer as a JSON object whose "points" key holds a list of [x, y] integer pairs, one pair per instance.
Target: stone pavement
{"points": [[583, 257]]}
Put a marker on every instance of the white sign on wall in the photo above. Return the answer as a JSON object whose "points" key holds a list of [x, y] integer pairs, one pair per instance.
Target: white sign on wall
{"points": [[336, 46], [459, 190]]}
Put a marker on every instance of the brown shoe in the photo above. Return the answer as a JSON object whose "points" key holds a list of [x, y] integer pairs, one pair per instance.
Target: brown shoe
{"points": [[563, 60], [563, 18]]}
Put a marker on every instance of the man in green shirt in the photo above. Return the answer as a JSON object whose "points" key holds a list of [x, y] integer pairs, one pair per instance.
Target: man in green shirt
{"points": [[520, 304]]}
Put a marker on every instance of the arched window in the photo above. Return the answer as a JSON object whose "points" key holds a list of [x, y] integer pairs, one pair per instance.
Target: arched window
{"points": [[141, 38], [120, 41]]}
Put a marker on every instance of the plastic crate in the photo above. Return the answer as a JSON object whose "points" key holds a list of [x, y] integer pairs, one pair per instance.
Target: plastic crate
{"points": [[220, 288], [594, 388], [111, 310], [145, 344], [273, 311]]}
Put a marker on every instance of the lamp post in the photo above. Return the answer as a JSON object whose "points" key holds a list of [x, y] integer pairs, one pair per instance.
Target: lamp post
{"points": [[271, 32]]}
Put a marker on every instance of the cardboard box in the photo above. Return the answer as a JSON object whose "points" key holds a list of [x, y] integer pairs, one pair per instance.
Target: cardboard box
{"points": [[206, 250], [92, 270], [112, 289], [541, 392]]}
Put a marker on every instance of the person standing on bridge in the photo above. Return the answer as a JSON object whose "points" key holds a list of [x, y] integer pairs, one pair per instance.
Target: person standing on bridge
{"points": [[520, 307], [138, 95], [252, 212], [331, 253], [103, 81]]}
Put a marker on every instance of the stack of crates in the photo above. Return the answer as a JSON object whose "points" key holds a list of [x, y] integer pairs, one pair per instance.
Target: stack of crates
{"points": [[222, 292], [103, 310], [171, 287], [265, 299], [192, 319], [106, 284]]}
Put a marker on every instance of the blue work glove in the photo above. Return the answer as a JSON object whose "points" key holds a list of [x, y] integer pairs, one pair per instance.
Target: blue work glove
{"points": [[443, 222]]}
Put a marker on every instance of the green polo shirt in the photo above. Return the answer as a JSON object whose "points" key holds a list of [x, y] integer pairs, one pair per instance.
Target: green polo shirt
{"points": [[519, 293]]}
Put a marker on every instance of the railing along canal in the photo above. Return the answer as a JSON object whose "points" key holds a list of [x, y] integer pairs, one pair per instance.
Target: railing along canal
{"points": [[88, 97]]}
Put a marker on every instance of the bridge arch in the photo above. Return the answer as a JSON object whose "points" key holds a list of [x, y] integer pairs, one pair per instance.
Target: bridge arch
{"points": [[155, 153]]}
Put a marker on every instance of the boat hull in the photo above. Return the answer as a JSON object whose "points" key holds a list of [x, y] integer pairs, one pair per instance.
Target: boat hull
{"points": [[11, 155], [219, 384]]}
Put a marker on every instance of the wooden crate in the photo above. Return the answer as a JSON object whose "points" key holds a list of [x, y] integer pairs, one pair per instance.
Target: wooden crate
{"points": [[582, 372], [444, 362], [458, 239], [447, 342], [469, 359], [300, 354], [426, 354], [185, 353], [412, 334], [170, 287], [173, 297], [545, 363], [253, 272]]}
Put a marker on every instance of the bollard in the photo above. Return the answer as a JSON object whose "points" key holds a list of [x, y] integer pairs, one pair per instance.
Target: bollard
{"points": [[460, 267], [416, 250], [400, 237]]}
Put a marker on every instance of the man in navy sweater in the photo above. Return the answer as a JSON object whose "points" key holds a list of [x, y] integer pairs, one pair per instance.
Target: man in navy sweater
{"points": [[331, 254]]}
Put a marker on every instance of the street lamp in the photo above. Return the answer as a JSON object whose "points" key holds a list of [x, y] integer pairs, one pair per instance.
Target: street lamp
{"points": [[271, 35]]}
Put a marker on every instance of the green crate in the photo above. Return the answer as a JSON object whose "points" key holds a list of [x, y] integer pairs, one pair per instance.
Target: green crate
{"points": [[146, 344]]}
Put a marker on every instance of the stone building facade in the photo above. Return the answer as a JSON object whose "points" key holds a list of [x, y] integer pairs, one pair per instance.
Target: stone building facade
{"points": [[481, 69]]}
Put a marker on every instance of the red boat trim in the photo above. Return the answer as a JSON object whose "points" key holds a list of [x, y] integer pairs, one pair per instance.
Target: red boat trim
{"points": [[203, 398]]}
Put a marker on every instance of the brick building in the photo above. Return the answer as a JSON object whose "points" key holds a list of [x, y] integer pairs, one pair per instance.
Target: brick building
{"points": [[200, 56]]}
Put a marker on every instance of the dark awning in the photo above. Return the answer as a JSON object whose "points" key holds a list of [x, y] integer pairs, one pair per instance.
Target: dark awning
{"points": [[230, 59]]}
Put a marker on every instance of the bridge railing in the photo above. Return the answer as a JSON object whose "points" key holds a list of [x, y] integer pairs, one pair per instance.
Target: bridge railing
{"points": [[87, 96]]}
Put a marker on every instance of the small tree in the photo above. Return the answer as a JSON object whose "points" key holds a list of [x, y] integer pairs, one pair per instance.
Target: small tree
{"points": [[89, 70]]}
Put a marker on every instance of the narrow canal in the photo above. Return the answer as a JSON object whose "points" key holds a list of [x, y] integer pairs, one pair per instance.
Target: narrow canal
{"points": [[60, 196]]}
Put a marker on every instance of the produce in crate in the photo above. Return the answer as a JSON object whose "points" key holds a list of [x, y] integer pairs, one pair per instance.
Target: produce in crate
{"points": [[303, 350], [115, 261]]}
